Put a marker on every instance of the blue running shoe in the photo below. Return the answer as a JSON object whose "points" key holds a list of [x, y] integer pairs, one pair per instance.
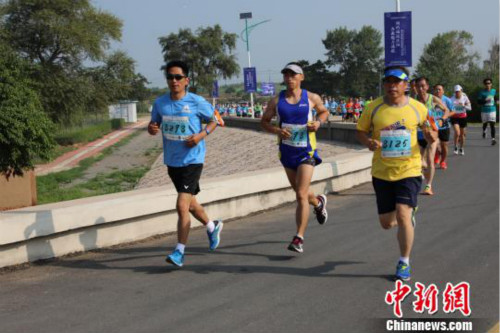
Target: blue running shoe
{"points": [[176, 258], [403, 272], [214, 236]]}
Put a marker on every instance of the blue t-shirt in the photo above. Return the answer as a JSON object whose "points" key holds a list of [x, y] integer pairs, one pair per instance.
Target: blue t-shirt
{"points": [[333, 106], [440, 113], [180, 119]]}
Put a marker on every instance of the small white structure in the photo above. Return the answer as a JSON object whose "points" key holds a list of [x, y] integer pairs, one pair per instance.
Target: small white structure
{"points": [[124, 109]]}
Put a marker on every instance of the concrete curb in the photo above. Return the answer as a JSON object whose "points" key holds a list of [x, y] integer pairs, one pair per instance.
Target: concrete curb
{"points": [[53, 230]]}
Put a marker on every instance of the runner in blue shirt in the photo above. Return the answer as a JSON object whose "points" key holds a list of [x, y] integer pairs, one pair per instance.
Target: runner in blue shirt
{"points": [[487, 99], [444, 130], [333, 107], [179, 115]]}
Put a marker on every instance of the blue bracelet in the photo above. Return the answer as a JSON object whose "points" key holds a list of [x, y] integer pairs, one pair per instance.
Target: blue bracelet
{"points": [[207, 131]]}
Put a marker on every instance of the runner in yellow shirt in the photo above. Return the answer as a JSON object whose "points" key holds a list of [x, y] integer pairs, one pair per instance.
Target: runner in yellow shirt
{"points": [[392, 121]]}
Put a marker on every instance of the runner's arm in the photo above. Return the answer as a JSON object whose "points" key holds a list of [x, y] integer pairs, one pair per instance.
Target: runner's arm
{"points": [[321, 112], [468, 106], [366, 141]]}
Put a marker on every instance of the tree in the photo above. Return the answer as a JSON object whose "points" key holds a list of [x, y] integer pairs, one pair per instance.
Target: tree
{"points": [[447, 59], [114, 81], [358, 57], [318, 79], [56, 37], [25, 130], [59, 32], [208, 53], [490, 66]]}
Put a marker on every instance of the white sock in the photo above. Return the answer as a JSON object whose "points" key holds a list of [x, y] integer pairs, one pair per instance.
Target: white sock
{"points": [[180, 247], [299, 236], [406, 260], [210, 226]]}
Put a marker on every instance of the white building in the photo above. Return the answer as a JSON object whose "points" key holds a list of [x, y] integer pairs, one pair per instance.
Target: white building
{"points": [[125, 110]]}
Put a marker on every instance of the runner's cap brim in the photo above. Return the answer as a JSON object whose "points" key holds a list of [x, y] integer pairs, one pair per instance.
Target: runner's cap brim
{"points": [[397, 73], [294, 68]]}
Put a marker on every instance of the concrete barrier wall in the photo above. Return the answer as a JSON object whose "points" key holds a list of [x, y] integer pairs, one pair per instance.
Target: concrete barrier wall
{"points": [[341, 132], [52, 230]]}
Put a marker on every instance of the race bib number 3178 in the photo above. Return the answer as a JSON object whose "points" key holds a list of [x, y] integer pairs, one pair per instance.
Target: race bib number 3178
{"points": [[175, 128]]}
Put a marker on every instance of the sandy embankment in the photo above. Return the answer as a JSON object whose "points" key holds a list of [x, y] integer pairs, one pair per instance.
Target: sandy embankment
{"points": [[232, 150]]}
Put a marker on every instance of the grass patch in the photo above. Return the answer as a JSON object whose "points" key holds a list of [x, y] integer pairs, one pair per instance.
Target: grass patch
{"points": [[114, 182], [50, 188], [74, 135]]}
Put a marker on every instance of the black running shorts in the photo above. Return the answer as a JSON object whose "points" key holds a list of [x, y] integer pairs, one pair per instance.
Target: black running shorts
{"points": [[461, 122], [186, 179], [444, 134], [389, 193]]}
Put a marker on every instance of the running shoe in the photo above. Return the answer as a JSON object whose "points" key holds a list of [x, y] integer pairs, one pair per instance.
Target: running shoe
{"points": [[413, 219], [296, 245], [176, 258], [437, 157], [493, 142], [403, 271], [321, 213], [455, 151], [214, 236], [428, 190], [443, 165], [462, 151]]}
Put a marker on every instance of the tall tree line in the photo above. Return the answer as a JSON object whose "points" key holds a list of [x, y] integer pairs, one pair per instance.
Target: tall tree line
{"points": [[56, 39]]}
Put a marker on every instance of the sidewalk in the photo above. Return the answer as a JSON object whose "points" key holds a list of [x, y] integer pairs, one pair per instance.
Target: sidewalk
{"points": [[72, 158]]}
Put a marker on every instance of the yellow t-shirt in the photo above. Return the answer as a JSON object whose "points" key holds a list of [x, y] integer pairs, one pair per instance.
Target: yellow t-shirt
{"points": [[396, 128]]}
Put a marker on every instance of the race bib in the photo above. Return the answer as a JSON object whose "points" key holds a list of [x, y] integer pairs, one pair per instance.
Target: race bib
{"points": [[175, 128], [395, 143], [489, 101], [459, 109], [298, 136]]}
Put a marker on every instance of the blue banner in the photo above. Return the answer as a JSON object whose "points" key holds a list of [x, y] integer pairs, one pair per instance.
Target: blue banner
{"points": [[250, 76], [267, 88], [215, 89], [397, 27]]}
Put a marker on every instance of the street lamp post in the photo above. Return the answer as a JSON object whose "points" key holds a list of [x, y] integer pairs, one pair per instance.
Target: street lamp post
{"points": [[247, 16]]}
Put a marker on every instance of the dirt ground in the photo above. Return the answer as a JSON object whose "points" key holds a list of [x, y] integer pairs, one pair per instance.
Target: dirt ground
{"points": [[141, 151], [229, 151], [232, 150]]}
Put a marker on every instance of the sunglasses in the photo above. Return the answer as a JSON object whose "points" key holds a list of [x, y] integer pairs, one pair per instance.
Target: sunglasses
{"points": [[176, 77], [487, 83]]}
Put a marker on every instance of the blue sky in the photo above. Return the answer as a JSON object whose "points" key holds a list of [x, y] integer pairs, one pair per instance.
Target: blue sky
{"points": [[296, 27]]}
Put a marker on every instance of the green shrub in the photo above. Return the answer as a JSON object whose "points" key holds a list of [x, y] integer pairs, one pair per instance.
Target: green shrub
{"points": [[85, 134], [25, 130], [117, 123]]}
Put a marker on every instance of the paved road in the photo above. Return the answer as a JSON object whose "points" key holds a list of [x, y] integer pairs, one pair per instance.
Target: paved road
{"points": [[252, 284]]}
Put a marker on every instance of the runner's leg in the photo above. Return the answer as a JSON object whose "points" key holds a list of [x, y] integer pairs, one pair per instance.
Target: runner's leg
{"points": [[300, 181], [184, 221], [198, 211], [456, 130], [405, 229], [388, 220], [462, 137], [431, 169]]}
